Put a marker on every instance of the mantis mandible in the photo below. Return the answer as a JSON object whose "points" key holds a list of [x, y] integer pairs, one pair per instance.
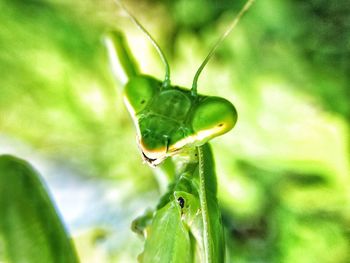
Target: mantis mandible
{"points": [[175, 122]]}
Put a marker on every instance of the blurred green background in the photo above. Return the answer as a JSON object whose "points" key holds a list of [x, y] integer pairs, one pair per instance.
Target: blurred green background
{"points": [[283, 172]]}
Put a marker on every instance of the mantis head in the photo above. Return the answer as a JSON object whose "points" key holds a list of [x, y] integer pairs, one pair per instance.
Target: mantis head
{"points": [[168, 118]]}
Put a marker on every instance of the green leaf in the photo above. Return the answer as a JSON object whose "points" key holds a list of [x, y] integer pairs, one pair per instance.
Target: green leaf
{"points": [[30, 228]]}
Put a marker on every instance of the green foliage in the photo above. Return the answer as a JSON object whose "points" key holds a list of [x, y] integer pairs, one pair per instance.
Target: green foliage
{"points": [[283, 171], [30, 228]]}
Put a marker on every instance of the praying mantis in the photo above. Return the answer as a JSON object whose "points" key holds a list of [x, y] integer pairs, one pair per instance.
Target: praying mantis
{"points": [[177, 123]]}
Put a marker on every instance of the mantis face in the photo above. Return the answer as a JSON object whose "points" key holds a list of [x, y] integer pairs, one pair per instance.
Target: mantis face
{"points": [[169, 119]]}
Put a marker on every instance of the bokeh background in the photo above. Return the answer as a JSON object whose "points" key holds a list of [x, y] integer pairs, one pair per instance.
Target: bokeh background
{"points": [[283, 172]]}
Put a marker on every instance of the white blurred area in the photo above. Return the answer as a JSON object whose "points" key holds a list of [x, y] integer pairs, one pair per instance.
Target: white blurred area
{"points": [[97, 212]]}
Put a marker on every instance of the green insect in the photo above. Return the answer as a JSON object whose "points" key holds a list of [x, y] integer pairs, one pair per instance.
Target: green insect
{"points": [[175, 122]]}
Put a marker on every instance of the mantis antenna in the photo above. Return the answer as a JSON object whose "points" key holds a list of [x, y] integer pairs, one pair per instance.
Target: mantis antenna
{"points": [[219, 41], [166, 82]]}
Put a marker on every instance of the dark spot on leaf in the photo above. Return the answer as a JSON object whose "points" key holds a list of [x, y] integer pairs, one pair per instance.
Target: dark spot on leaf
{"points": [[143, 101], [221, 124], [181, 202]]}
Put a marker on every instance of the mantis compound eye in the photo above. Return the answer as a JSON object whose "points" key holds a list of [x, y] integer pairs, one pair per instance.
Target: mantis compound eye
{"points": [[139, 91], [212, 117]]}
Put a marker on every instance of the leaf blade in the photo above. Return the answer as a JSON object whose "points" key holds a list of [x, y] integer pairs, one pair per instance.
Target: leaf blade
{"points": [[30, 227]]}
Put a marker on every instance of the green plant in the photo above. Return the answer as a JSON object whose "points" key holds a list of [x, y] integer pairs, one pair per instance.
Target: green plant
{"points": [[30, 228]]}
